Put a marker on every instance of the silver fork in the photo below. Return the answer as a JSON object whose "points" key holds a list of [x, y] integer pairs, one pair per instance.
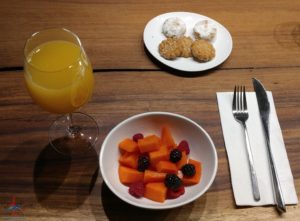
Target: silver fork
{"points": [[240, 113]]}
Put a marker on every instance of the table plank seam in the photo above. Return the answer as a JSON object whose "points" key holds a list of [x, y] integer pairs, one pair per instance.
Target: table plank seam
{"points": [[97, 70]]}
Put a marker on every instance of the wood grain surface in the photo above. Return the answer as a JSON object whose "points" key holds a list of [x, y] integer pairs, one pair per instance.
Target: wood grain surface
{"points": [[51, 187], [48, 186], [265, 33]]}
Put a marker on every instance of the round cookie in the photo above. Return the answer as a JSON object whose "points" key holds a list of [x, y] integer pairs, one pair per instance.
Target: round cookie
{"points": [[169, 49], [205, 30], [173, 27], [185, 44], [203, 50]]}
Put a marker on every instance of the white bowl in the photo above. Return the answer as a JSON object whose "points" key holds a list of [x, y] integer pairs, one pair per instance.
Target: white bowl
{"points": [[182, 128]]}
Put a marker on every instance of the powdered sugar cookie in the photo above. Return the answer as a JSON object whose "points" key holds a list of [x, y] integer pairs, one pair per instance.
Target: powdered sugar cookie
{"points": [[173, 27], [205, 29]]}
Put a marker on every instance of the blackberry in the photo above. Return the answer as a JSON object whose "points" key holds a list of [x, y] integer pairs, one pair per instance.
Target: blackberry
{"points": [[175, 155], [143, 163], [173, 182], [188, 170]]}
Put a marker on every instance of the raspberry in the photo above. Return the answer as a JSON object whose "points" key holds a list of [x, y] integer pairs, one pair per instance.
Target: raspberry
{"points": [[175, 155], [173, 194], [188, 170], [137, 189], [143, 163], [138, 136], [172, 181], [184, 146]]}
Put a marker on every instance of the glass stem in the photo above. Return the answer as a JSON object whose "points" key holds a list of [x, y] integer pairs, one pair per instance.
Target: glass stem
{"points": [[73, 130], [71, 120]]}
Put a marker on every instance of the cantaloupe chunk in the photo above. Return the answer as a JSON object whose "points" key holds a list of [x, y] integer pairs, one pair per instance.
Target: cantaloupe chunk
{"points": [[149, 143], [167, 138], [156, 192], [128, 145], [129, 160], [166, 167], [128, 175], [196, 178], [182, 161], [151, 176], [162, 154]]}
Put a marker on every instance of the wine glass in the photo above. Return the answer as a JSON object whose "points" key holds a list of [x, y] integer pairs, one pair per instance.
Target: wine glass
{"points": [[59, 77]]}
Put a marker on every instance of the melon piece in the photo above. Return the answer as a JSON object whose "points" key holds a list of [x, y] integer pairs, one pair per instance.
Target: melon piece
{"points": [[149, 143], [128, 145], [151, 176], [156, 192], [166, 167], [167, 138], [128, 175], [129, 160], [196, 178], [158, 155], [182, 161]]}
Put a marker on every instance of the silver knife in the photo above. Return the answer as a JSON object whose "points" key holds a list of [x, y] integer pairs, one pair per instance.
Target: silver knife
{"points": [[264, 109]]}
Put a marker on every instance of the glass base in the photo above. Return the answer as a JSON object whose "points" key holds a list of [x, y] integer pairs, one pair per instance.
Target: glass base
{"points": [[73, 134]]}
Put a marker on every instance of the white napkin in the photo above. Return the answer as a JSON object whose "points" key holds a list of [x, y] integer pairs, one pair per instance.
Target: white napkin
{"points": [[236, 152]]}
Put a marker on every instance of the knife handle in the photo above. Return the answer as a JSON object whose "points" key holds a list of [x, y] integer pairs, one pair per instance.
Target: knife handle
{"points": [[275, 180]]}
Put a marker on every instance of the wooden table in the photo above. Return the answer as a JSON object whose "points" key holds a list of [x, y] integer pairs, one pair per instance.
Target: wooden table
{"points": [[266, 36]]}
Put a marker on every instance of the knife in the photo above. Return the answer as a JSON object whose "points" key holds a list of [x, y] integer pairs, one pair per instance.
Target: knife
{"points": [[264, 109]]}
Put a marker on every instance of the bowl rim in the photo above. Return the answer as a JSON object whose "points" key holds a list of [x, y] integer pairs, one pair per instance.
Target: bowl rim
{"points": [[160, 207]]}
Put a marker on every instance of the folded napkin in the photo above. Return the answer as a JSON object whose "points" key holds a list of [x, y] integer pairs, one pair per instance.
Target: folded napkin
{"points": [[236, 152]]}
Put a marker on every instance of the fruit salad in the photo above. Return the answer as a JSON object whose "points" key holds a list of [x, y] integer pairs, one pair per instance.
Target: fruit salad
{"points": [[156, 167]]}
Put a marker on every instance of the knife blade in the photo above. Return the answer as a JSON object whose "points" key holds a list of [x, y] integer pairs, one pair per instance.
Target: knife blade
{"points": [[264, 110]]}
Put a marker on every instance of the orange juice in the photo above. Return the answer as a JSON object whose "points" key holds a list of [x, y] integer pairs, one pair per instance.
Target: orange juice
{"points": [[59, 76]]}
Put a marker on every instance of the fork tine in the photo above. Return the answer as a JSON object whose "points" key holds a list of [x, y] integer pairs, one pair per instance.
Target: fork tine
{"points": [[239, 98], [245, 100], [234, 99]]}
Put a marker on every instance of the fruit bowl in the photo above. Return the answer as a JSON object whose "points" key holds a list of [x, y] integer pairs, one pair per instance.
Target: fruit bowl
{"points": [[201, 148]]}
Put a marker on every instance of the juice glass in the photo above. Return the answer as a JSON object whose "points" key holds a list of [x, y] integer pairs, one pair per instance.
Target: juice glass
{"points": [[59, 78]]}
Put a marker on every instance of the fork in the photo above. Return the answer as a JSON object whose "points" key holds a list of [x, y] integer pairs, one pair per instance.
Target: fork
{"points": [[240, 113]]}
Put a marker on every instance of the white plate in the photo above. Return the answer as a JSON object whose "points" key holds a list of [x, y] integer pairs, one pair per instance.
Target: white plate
{"points": [[153, 36]]}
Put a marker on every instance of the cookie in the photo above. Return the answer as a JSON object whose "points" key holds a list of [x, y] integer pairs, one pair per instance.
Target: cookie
{"points": [[169, 49], [203, 50], [205, 30], [185, 44], [173, 27]]}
